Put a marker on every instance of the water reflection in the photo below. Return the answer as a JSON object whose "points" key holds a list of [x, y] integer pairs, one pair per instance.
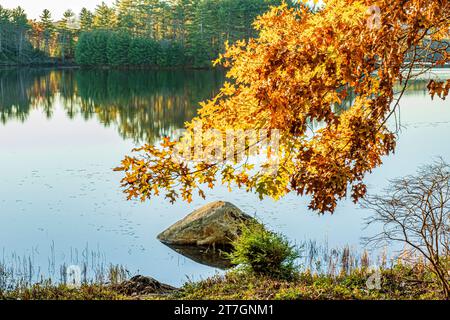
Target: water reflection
{"points": [[208, 256], [143, 105], [56, 182]]}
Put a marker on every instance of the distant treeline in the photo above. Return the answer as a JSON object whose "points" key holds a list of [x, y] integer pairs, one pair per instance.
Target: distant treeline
{"points": [[163, 33]]}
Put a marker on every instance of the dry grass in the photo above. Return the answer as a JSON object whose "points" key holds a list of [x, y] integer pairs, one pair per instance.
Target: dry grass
{"points": [[400, 282]]}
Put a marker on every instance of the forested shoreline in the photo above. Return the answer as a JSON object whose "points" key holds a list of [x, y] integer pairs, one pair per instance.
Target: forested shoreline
{"points": [[130, 33]]}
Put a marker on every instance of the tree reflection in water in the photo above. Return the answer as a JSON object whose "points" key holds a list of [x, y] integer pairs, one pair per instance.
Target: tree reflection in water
{"points": [[144, 105]]}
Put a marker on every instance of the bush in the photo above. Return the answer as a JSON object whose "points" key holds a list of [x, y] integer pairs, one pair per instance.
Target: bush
{"points": [[265, 253], [91, 48], [143, 51], [117, 49]]}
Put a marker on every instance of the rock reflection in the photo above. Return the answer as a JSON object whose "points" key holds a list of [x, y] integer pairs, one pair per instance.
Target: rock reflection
{"points": [[209, 256]]}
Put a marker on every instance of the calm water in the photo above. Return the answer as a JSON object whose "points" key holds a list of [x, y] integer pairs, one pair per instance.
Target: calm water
{"points": [[61, 133]]}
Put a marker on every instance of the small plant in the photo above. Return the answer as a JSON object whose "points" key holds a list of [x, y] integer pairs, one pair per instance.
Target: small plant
{"points": [[264, 252]]}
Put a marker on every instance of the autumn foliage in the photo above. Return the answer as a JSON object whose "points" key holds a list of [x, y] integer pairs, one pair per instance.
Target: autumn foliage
{"points": [[295, 77]]}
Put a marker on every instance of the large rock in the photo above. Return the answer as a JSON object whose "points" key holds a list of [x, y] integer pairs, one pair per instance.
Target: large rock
{"points": [[217, 223], [143, 286]]}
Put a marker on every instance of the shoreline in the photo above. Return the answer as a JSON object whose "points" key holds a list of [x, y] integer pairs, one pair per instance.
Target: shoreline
{"points": [[106, 67], [400, 282]]}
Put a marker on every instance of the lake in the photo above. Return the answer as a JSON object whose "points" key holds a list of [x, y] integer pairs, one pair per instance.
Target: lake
{"points": [[62, 132]]}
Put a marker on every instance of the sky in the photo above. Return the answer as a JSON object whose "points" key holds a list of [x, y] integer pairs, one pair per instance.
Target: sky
{"points": [[34, 8]]}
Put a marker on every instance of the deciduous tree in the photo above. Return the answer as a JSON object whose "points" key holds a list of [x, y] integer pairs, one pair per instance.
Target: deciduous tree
{"points": [[300, 68]]}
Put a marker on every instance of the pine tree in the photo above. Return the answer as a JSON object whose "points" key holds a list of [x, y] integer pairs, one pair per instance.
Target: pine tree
{"points": [[191, 31], [66, 35], [99, 47], [143, 51], [20, 39], [21, 26], [5, 26], [104, 17], [117, 49], [82, 50], [148, 18], [181, 19], [86, 19], [92, 48], [48, 28], [126, 16]]}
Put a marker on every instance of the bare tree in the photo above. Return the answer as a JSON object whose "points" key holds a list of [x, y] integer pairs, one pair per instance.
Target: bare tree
{"points": [[415, 210]]}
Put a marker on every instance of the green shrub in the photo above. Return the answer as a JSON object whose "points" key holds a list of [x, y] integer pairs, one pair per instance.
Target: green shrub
{"points": [[117, 48], [265, 253], [92, 47], [143, 51]]}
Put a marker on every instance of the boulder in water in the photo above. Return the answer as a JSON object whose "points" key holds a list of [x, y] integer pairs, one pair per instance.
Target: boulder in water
{"points": [[217, 223]]}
